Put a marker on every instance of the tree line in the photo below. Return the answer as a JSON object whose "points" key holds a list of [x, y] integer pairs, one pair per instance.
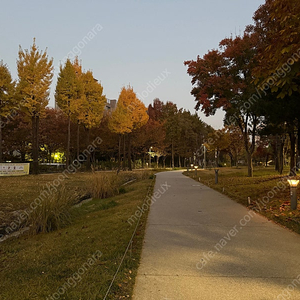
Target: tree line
{"points": [[31, 131], [255, 79]]}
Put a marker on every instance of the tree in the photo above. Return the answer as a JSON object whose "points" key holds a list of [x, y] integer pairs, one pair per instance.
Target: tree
{"points": [[277, 71], [53, 132], [223, 79], [35, 75], [17, 138], [277, 26], [7, 87], [129, 115], [68, 96], [235, 144], [92, 105]]}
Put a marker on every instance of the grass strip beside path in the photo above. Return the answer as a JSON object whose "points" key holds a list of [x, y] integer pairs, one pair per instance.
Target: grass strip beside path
{"points": [[269, 192], [78, 261]]}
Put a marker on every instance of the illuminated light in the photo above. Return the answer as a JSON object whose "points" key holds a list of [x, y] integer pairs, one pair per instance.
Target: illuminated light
{"points": [[293, 182]]}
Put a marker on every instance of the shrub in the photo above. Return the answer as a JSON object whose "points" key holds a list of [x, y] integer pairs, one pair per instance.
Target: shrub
{"points": [[53, 213], [103, 185]]}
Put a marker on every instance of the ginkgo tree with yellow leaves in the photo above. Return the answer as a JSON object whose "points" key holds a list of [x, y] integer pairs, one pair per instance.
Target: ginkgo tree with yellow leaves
{"points": [[35, 71], [92, 105], [7, 87], [69, 95], [130, 115]]}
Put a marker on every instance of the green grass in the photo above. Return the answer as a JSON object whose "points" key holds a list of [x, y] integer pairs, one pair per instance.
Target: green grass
{"points": [[269, 192], [34, 267]]}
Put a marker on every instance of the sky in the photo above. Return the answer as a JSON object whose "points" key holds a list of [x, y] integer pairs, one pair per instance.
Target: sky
{"points": [[142, 43]]}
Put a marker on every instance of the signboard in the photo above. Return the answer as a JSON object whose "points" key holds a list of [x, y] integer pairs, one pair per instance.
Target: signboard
{"points": [[11, 169]]}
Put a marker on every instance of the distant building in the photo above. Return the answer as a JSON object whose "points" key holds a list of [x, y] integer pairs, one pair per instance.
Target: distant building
{"points": [[110, 105]]}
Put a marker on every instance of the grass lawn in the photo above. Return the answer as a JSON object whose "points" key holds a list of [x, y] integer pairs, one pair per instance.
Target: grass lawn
{"points": [[80, 260], [269, 192]]}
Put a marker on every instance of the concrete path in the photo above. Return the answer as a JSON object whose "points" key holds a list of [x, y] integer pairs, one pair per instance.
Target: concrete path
{"points": [[199, 244]]}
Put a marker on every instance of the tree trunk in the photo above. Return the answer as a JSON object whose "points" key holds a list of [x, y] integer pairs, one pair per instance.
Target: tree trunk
{"points": [[143, 161], [88, 159], [119, 154], [124, 153], [172, 155], [129, 153], [292, 153], [250, 164], [1, 148], [23, 154], [179, 161], [157, 160], [267, 159], [35, 145], [298, 148], [68, 142], [280, 157], [78, 136], [164, 162], [133, 161]]}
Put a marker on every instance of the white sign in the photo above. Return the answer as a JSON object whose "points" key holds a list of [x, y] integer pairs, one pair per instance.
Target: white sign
{"points": [[11, 169]]}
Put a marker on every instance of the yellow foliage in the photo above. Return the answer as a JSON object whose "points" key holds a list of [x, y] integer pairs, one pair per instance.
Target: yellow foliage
{"points": [[35, 75], [130, 113]]}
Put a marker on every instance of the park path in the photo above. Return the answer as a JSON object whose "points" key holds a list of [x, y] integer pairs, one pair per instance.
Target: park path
{"points": [[199, 244]]}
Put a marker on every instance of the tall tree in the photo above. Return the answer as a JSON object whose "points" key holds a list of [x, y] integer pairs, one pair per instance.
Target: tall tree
{"points": [[35, 72], [129, 115], [92, 106], [277, 71], [7, 87], [223, 79], [68, 96]]}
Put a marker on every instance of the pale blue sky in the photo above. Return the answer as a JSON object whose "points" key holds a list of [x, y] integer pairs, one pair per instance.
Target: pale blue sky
{"points": [[141, 43]]}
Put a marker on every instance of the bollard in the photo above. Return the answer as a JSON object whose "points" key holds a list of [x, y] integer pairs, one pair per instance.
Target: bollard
{"points": [[216, 176], [293, 185]]}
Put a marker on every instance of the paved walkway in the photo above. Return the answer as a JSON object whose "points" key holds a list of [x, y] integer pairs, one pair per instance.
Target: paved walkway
{"points": [[199, 244]]}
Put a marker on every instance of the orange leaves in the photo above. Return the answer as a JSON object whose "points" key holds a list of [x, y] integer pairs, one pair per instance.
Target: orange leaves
{"points": [[130, 113]]}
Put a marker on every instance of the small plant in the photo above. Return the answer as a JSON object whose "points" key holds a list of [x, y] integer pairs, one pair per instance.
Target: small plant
{"points": [[104, 185], [122, 190], [53, 213]]}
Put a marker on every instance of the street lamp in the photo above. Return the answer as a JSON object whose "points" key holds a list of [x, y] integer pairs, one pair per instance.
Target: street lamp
{"points": [[150, 157], [293, 185], [192, 166]]}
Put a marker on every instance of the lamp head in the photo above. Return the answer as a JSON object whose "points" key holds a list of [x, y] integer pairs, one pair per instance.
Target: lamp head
{"points": [[293, 182]]}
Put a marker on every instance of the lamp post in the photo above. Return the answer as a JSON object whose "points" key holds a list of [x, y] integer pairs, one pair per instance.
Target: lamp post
{"points": [[204, 159], [150, 156], [192, 166], [196, 167], [293, 185]]}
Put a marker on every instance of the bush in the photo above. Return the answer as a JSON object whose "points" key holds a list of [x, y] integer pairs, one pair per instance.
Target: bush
{"points": [[53, 213], [103, 185], [122, 190]]}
